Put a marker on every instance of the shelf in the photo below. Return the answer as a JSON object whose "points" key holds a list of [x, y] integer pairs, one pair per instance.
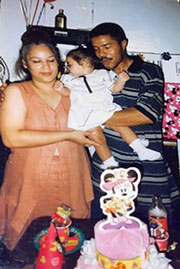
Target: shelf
{"points": [[66, 36]]}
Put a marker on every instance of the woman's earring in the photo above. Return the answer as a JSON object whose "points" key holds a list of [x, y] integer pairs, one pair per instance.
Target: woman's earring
{"points": [[24, 64], [59, 75]]}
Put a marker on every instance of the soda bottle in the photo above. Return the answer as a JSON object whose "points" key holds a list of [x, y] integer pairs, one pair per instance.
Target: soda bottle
{"points": [[60, 20], [158, 224]]}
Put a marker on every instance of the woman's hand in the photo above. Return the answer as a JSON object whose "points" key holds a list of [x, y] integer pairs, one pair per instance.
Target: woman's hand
{"points": [[82, 138], [2, 96]]}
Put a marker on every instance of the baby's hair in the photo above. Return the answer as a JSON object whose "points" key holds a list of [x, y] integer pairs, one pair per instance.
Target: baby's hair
{"points": [[83, 53]]}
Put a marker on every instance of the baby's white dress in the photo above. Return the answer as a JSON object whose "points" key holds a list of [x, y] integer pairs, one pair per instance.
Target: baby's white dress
{"points": [[90, 109]]}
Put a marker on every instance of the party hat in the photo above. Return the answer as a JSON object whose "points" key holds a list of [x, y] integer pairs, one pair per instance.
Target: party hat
{"points": [[51, 253]]}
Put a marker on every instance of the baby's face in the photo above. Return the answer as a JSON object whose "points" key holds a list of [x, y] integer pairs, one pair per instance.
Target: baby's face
{"points": [[74, 67]]}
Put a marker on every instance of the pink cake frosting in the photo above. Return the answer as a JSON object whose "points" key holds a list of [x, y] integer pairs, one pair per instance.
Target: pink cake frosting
{"points": [[105, 242], [122, 244]]}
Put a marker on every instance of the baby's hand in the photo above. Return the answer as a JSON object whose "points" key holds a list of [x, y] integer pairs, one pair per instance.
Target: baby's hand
{"points": [[61, 89], [58, 86], [123, 77], [120, 82]]}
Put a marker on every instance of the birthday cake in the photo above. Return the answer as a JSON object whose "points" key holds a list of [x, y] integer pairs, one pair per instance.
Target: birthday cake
{"points": [[121, 241]]}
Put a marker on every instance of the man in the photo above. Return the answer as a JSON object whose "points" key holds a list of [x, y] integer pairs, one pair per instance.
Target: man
{"points": [[142, 102]]}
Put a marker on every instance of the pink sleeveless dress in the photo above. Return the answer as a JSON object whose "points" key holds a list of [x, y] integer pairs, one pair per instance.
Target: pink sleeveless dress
{"points": [[36, 181]]}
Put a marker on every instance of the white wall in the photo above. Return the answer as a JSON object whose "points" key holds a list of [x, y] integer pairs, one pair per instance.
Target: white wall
{"points": [[151, 25]]}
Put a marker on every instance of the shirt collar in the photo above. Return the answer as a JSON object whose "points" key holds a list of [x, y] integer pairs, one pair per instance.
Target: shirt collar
{"points": [[136, 64]]}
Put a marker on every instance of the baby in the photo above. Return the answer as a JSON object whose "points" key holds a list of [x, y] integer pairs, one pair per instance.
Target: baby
{"points": [[90, 92]]}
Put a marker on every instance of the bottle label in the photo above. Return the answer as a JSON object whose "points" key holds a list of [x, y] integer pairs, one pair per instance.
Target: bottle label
{"points": [[159, 231], [60, 21]]}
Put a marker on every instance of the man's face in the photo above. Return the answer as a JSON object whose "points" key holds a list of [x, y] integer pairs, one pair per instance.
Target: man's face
{"points": [[109, 51]]}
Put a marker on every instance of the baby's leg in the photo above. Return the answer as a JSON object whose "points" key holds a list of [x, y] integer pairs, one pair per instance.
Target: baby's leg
{"points": [[135, 143], [97, 135], [102, 150]]}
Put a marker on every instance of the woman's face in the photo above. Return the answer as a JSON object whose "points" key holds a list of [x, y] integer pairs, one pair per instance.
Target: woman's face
{"points": [[41, 63]]}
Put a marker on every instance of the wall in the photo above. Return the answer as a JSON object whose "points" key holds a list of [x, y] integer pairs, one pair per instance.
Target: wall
{"points": [[151, 25]]}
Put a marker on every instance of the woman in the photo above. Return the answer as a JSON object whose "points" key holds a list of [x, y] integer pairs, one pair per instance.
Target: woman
{"points": [[47, 166]]}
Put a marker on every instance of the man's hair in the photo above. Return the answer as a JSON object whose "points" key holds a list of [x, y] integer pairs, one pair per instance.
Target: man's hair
{"points": [[108, 28]]}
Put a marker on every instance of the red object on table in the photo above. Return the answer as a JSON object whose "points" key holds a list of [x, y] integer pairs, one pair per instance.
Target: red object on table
{"points": [[71, 243], [50, 254]]}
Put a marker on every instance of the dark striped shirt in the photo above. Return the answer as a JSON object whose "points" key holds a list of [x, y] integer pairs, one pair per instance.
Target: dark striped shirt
{"points": [[144, 91]]}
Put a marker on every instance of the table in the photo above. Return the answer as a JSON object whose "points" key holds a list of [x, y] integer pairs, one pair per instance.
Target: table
{"points": [[23, 256]]}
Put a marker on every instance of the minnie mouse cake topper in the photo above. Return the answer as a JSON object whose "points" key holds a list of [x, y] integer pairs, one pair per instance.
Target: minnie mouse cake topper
{"points": [[121, 187]]}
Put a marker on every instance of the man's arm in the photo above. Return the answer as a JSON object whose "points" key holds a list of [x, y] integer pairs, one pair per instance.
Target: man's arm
{"points": [[128, 117], [149, 105]]}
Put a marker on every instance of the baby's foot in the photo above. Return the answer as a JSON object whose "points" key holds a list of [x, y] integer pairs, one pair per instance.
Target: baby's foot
{"points": [[110, 165], [102, 166], [148, 154]]}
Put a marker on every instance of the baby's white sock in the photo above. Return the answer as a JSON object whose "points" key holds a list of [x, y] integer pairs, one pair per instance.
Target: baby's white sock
{"points": [[110, 162], [144, 141], [143, 152], [91, 150]]}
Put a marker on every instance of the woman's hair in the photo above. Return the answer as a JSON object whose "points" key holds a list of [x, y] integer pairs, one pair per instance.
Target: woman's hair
{"points": [[108, 28], [30, 38], [83, 53]]}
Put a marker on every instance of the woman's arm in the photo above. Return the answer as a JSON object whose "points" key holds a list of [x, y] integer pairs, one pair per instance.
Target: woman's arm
{"points": [[12, 125]]}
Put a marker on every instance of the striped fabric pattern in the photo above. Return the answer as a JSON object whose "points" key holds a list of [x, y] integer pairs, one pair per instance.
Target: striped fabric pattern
{"points": [[144, 91]]}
